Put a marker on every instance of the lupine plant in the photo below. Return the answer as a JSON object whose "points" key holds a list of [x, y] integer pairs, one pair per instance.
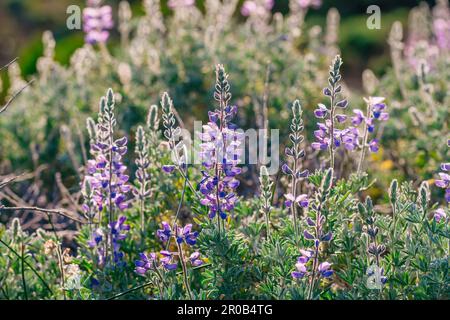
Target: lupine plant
{"points": [[416, 89]]}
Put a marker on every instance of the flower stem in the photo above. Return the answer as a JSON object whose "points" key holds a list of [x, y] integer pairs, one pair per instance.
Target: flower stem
{"points": [[332, 110], [185, 276], [22, 268], [293, 206]]}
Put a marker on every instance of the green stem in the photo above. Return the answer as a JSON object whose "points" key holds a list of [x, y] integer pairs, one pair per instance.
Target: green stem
{"points": [[24, 283], [28, 265], [185, 276]]}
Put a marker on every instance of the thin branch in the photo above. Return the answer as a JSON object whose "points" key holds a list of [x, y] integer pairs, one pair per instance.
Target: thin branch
{"points": [[148, 284], [9, 180], [131, 290], [42, 210], [28, 265], [9, 63]]}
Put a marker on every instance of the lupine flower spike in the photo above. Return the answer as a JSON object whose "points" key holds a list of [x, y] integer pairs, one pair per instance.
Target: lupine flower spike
{"points": [[143, 190], [328, 137], [266, 196], [182, 235], [220, 153], [178, 149], [97, 21], [376, 110], [318, 235], [105, 185]]}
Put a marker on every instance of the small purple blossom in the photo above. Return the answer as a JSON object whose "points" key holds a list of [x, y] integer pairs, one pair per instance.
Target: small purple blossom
{"points": [[302, 200], [373, 145], [165, 233], [444, 178], [167, 260], [106, 173], [358, 117], [153, 262], [168, 168], [117, 232], [444, 183], [145, 263], [321, 111], [195, 259], [181, 234], [301, 267], [439, 215], [186, 235], [324, 269], [220, 153]]}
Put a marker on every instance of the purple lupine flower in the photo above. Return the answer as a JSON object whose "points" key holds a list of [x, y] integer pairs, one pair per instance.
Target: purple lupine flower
{"points": [[324, 269], [350, 138], [439, 215], [321, 111], [104, 185], [118, 230], [96, 238], [444, 181], [165, 233], [185, 235], [383, 278], [195, 260], [373, 145], [329, 136], [97, 20], [315, 233], [358, 117], [180, 3], [300, 272], [106, 172], [168, 168], [167, 260], [145, 263], [377, 110], [341, 118], [302, 268], [302, 200], [322, 136], [98, 242], [220, 153]]}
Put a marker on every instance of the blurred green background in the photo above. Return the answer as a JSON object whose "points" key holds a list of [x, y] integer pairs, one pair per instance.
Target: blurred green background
{"points": [[23, 21]]}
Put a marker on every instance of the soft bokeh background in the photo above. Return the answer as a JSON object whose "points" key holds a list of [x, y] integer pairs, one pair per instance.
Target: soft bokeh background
{"points": [[23, 21]]}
